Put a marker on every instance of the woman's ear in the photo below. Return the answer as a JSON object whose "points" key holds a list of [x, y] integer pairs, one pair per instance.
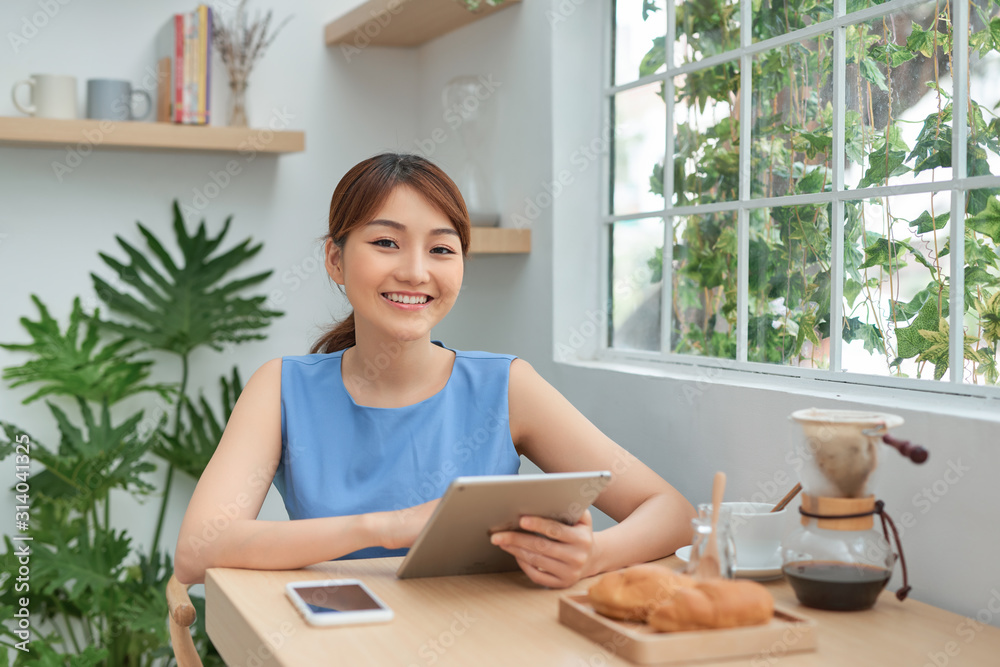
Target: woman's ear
{"points": [[334, 261]]}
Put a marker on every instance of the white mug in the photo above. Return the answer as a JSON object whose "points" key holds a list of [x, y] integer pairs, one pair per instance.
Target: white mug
{"points": [[52, 96], [757, 533]]}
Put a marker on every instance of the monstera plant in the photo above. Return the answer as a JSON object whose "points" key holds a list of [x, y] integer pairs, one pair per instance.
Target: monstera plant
{"points": [[96, 597]]}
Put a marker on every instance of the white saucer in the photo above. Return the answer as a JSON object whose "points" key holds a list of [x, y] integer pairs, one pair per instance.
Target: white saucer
{"points": [[684, 553]]}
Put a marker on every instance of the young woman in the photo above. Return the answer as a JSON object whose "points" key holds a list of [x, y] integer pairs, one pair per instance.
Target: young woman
{"points": [[364, 435]]}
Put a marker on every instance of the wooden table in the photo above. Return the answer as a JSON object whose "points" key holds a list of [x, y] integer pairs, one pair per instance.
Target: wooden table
{"points": [[504, 619]]}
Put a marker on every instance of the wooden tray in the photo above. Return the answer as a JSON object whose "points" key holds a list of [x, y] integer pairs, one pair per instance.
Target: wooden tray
{"points": [[787, 632]]}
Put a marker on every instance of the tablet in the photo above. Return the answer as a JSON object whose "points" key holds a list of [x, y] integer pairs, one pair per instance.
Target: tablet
{"points": [[456, 539]]}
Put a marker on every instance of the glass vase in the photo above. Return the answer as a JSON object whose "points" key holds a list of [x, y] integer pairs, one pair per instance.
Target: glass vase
{"points": [[238, 103]]}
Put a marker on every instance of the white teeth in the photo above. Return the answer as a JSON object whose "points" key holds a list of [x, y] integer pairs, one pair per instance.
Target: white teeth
{"points": [[403, 298]]}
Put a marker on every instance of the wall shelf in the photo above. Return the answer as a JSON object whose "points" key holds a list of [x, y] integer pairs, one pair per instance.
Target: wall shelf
{"points": [[499, 240], [47, 132], [403, 22]]}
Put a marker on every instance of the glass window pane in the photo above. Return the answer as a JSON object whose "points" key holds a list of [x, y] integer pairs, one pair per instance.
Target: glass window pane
{"points": [[707, 135], [706, 28], [793, 119], [897, 126], [637, 150], [789, 286], [896, 286], [857, 5], [984, 93], [772, 18], [704, 285], [982, 286], [640, 33], [636, 282]]}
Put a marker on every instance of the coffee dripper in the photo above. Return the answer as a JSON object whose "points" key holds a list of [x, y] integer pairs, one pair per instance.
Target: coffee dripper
{"points": [[836, 559]]}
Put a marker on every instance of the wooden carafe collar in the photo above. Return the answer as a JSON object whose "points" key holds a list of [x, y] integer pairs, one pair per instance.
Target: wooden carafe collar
{"points": [[838, 513]]}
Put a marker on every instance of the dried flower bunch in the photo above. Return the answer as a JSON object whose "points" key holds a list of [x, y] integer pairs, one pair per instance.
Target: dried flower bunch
{"points": [[242, 42]]}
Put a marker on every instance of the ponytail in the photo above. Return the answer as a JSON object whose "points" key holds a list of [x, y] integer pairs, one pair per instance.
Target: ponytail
{"points": [[340, 337]]}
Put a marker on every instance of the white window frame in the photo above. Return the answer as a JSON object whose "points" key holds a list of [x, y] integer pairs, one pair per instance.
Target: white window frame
{"points": [[740, 370]]}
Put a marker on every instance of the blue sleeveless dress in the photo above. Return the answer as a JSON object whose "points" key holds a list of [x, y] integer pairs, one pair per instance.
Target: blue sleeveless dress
{"points": [[339, 458]]}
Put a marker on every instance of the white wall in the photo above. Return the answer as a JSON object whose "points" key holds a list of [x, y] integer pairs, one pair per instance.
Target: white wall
{"points": [[383, 99], [51, 231]]}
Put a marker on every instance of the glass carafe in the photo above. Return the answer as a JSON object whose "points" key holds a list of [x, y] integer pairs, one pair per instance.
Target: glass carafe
{"points": [[837, 559]]}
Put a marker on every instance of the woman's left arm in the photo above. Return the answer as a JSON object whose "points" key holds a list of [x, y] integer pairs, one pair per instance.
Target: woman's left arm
{"points": [[654, 519]]}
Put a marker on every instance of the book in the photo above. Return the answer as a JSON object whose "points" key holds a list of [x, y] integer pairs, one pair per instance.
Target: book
{"points": [[189, 87], [204, 38], [170, 70], [184, 54], [208, 65]]}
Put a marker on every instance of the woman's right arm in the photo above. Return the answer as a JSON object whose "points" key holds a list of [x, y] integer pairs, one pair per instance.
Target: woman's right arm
{"points": [[220, 527]]}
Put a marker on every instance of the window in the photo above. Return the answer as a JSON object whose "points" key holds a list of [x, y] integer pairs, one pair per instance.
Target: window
{"points": [[835, 229]]}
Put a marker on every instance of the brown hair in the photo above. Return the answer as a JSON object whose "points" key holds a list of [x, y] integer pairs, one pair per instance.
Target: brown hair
{"points": [[363, 191]]}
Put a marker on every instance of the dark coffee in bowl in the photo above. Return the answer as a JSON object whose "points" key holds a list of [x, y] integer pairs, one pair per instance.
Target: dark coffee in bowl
{"points": [[836, 586]]}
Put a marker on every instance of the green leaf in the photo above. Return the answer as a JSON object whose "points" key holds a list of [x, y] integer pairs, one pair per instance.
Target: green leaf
{"points": [[903, 312], [910, 342], [818, 142], [728, 241], [82, 565], [871, 71], [924, 41], [933, 146], [975, 275], [852, 289], [918, 255], [816, 180], [91, 461], [925, 223], [882, 253], [989, 317], [891, 54], [183, 306], [194, 447], [881, 166], [855, 329], [65, 365], [987, 221], [654, 59]]}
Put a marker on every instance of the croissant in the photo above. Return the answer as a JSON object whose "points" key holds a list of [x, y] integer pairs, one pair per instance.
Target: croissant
{"points": [[631, 593], [716, 603]]}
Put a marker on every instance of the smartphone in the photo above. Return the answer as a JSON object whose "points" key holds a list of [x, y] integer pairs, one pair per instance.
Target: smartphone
{"points": [[337, 602]]}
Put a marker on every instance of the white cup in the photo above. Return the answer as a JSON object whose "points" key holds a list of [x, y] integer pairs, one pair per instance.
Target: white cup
{"points": [[52, 96], [757, 534]]}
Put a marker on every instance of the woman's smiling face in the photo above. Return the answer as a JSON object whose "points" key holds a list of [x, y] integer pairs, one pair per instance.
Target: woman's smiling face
{"points": [[403, 270]]}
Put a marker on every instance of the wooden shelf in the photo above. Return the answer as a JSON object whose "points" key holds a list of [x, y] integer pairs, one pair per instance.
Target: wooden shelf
{"points": [[47, 132], [500, 240], [403, 22]]}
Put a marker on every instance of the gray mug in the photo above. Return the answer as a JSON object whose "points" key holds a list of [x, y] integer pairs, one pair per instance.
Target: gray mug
{"points": [[112, 99]]}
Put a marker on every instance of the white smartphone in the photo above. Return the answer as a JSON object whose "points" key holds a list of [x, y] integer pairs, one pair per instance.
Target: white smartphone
{"points": [[337, 602]]}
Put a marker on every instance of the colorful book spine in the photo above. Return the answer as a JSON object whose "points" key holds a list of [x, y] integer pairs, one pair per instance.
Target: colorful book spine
{"points": [[208, 66], [179, 69], [201, 115], [190, 115]]}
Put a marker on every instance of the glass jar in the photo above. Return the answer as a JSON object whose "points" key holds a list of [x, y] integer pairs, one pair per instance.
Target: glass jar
{"points": [[703, 530], [839, 562]]}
